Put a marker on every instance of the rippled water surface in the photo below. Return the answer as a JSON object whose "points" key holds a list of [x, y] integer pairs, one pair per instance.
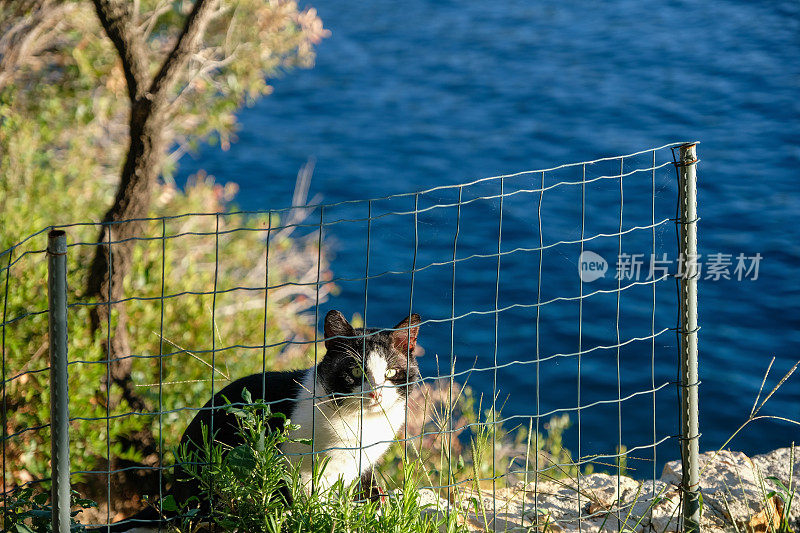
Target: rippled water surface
{"points": [[410, 95]]}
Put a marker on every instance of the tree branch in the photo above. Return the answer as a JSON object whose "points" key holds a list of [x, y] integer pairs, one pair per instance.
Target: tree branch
{"points": [[119, 23], [206, 66], [190, 37], [28, 31], [148, 25]]}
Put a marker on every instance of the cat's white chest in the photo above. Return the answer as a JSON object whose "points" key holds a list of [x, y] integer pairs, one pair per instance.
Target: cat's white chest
{"points": [[350, 443]]}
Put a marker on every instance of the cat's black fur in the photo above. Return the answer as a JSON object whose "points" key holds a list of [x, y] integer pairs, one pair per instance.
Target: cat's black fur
{"points": [[281, 390]]}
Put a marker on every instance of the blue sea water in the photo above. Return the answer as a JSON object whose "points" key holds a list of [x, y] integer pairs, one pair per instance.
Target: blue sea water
{"points": [[406, 96]]}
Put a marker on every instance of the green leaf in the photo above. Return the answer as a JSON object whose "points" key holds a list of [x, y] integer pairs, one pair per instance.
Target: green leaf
{"points": [[85, 503], [779, 483], [169, 504], [241, 462]]}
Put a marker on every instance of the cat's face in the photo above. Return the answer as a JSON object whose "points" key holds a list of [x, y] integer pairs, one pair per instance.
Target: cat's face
{"points": [[376, 369]]}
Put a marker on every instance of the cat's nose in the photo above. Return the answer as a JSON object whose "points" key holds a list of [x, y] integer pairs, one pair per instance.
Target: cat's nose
{"points": [[375, 395]]}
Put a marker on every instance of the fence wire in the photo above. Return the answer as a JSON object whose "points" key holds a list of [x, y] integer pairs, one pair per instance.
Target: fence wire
{"points": [[556, 372]]}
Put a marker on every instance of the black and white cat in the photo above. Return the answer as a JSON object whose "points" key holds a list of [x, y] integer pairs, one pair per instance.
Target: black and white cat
{"points": [[369, 368]]}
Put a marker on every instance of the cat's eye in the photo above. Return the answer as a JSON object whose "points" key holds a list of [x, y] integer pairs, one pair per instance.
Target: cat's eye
{"points": [[391, 373], [356, 372]]}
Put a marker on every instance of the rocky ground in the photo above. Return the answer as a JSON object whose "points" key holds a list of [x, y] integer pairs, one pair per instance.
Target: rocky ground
{"points": [[735, 493]]}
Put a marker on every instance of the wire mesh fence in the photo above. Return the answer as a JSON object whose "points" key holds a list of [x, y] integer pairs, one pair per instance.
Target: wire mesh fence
{"points": [[555, 339]]}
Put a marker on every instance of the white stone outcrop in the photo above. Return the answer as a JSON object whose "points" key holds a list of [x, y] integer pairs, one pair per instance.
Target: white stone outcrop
{"points": [[736, 491]]}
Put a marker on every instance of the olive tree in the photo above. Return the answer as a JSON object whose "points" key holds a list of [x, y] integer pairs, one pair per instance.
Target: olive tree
{"points": [[179, 70], [105, 96]]}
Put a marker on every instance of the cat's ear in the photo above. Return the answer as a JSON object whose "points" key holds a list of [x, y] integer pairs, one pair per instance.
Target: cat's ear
{"points": [[404, 336], [336, 325]]}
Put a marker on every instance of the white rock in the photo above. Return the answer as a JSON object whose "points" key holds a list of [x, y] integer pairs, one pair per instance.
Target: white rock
{"points": [[558, 503], [777, 463], [656, 507], [433, 505], [733, 486]]}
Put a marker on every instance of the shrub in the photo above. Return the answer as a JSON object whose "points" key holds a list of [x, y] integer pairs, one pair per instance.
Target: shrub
{"points": [[41, 185]]}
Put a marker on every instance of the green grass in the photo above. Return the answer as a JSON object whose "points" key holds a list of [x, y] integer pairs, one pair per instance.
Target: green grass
{"points": [[248, 483]]}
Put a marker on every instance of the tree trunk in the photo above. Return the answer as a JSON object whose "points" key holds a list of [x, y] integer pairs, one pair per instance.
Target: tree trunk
{"points": [[121, 230], [123, 222]]}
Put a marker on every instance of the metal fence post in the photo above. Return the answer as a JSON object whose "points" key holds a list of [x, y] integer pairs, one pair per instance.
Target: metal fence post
{"points": [[59, 394], [690, 433]]}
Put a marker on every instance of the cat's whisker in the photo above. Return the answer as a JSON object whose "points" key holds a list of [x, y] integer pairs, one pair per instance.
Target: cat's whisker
{"points": [[347, 349]]}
